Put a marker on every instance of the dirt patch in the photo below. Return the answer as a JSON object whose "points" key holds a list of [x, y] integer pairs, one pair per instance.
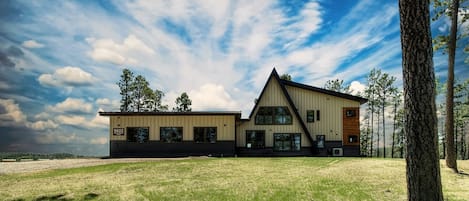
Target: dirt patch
{"points": [[41, 165]]}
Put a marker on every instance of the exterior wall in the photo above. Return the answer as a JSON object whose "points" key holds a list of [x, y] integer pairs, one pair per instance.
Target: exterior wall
{"points": [[273, 96], [225, 125], [330, 107], [224, 146]]}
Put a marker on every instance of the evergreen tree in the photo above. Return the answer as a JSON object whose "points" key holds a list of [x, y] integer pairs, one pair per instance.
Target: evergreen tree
{"points": [[183, 103], [338, 86], [126, 87]]}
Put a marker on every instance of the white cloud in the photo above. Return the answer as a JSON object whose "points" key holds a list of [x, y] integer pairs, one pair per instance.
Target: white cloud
{"points": [[81, 121], [213, 97], [67, 76], [109, 51], [107, 104], [73, 105], [357, 87], [32, 44], [54, 138], [12, 115], [99, 140]]}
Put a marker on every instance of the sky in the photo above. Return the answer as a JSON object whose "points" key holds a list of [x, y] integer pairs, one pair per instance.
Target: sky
{"points": [[60, 60]]}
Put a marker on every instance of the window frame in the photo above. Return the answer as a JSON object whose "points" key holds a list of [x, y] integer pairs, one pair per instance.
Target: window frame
{"points": [[262, 133], [321, 138], [349, 113], [205, 134], [292, 143], [318, 115], [351, 137], [172, 127], [135, 137], [273, 115]]}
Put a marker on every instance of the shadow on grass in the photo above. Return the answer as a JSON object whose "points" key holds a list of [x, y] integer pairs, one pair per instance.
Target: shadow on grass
{"points": [[52, 197], [90, 196]]}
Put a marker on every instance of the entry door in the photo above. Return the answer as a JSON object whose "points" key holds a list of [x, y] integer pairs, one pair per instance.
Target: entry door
{"points": [[351, 126]]}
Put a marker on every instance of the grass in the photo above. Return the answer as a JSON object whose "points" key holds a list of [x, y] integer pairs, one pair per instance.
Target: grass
{"points": [[228, 179]]}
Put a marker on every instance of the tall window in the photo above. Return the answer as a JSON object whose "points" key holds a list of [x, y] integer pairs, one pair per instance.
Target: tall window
{"points": [[273, 116], [318, 115], [320, 140], [310, 116], [205, 134], [138, 134], [255, 139], [171, 134], [287, 142]]}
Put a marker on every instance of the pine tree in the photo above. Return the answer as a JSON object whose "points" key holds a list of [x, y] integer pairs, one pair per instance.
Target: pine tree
{"points": [[126, 88], [183, 103]]}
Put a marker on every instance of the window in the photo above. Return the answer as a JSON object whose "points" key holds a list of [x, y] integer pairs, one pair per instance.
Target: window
{"points": [[317, 115], [350, 113], [255, 139], [138, 134], [171, 134], [287, 142], [273, 116], [310, 116], [205, 134], [353, 138], [320, 140]]}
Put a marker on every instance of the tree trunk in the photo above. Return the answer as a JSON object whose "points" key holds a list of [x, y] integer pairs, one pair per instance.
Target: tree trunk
{"points": [[394, 129], [372, 123], [423, 168], [450, 149], [377, 144], [384, 125]]}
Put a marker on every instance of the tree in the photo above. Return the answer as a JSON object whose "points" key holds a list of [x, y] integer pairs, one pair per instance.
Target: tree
{"points": [[370, 94], [285, 76], [396, 100], [385, 87], [126, 88], [423, 169], [140, 94], [338, 86], [183, 103]]}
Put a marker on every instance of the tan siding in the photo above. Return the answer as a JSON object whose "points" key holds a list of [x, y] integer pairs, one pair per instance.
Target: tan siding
{"points": [[225, 125], [273, 96], [330, 107]]}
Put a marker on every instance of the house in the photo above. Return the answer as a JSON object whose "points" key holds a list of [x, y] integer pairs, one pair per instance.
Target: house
{"points": [[288, 119]]}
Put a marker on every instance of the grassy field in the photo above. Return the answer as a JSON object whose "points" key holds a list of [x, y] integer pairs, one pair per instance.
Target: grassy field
{"points": [[228, 179]]}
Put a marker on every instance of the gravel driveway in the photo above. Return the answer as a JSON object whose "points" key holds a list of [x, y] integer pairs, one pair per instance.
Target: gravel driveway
{"points": [[41, 165]]}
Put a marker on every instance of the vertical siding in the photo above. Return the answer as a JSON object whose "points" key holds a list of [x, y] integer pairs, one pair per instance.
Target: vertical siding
{"points": [[225, 125], [273, 96], [330, 107]]}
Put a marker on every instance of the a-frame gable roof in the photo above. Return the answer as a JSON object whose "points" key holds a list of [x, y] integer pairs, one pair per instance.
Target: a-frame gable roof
{"points": [[274, 76]]}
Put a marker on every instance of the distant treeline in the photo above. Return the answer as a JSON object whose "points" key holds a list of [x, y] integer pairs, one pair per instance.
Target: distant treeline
{"points": [[18, 156]]}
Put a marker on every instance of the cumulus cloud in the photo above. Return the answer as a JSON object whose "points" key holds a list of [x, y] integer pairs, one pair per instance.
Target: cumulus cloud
{"points": [[82, 122], [212, 96], [357, 87], [108, 104], [107, 50], [12, 115], [99, 140], [67, 76], [43, 125], [32, 44], [72, 105]]}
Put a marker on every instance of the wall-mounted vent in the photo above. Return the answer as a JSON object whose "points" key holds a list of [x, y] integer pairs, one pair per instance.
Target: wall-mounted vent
{"points": [[337, 152]]}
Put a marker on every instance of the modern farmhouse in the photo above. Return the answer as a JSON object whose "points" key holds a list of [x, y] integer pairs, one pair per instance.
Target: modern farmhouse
{"points": [[288, 119]]}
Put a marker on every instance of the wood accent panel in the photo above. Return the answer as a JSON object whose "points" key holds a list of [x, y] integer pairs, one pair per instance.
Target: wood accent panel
{"points": [[351, 125]]}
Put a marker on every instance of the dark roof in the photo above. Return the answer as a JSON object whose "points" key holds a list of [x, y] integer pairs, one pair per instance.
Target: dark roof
{"points": [[325, 91], [195, 113]]}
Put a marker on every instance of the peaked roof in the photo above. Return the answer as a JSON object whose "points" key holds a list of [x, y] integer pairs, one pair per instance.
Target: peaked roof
{"points": [[274, 75], [283, 83]]}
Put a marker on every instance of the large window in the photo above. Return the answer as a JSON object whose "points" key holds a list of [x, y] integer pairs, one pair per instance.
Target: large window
{"points": [[138, 134], [255, 139], [171, 134], [205, 134], [310, 116], [287, 142], [273, 116], [321, 141]]}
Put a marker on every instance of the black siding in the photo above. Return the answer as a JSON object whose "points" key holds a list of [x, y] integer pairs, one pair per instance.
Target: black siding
{"points": [[160, 149]]}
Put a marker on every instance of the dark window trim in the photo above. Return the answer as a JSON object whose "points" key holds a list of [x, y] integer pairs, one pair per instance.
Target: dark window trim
{"points": [[205, 134], [272, 115], [318, 115], [350, 113], [182, 133], [260, 132], [292, 142]]}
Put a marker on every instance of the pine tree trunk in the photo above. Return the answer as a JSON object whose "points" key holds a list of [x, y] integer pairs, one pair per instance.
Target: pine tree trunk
{"points": [[372, 125], [377, 145], [423, 169], [384, 125], [450, 147], [394, 130]]}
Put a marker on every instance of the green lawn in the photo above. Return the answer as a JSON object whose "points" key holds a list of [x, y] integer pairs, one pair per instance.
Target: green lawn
{"points": [[228, 179]]}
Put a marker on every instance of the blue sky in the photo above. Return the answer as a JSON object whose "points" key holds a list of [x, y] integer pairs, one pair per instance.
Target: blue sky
{"points": [[60, 60]]}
